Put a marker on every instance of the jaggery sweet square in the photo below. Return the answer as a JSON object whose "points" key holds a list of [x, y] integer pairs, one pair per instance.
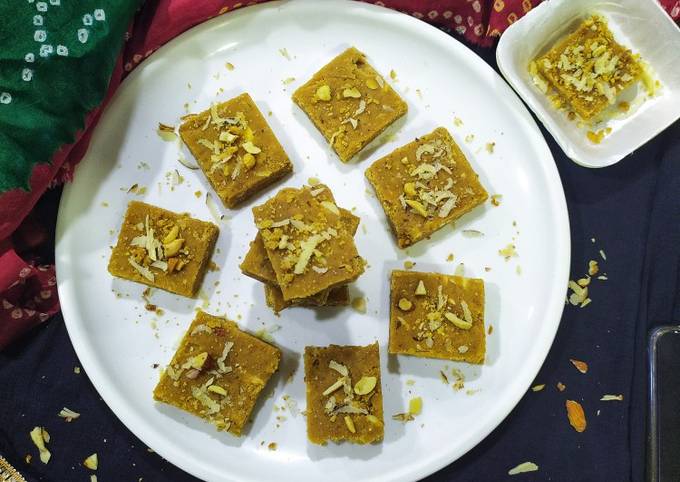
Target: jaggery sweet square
{"points": [[235, 148], [425, 185], [308, 244], [349, 102], [217, 372], [588, 68], [437, 316], [334, 297], [163, 249], [344, 394]]}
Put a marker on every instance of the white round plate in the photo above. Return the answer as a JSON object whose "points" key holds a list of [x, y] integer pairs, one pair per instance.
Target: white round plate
{"points": [[119, 342]]}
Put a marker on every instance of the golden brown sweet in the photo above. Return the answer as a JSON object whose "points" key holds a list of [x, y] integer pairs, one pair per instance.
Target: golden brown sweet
{"points": [[309, 246], [437, 316], [344, 394], [349, 102], [334, 297], [235, 148], [163, 249], [588, 69], [425, 185], [217, 372]]}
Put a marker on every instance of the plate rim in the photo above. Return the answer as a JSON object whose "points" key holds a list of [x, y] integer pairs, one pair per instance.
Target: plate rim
{"points": [[101, 379]]}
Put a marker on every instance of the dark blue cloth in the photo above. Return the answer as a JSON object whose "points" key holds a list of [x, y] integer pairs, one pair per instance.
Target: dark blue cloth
{"points": [[632, 210]]}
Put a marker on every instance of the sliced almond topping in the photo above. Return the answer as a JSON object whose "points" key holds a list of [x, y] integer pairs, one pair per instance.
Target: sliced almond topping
{"points": [[141, 269], [338, 384], [251, 148], [331, 207], [457, 322], [466, 311], [580, 365], [172, 248], [373, 419], [199, 360], [420, 289], [338, 367], [610, 398], [308, 248], [371, 84], [68, 415]]}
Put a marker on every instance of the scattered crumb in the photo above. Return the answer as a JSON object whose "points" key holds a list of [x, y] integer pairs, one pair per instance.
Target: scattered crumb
{"points": [[76, 370], [469, 138], [561, 386], [443, 376], [538, 388], [393, 75], [472, 233], [602, 253], [68, 415], [593, 267], [580, 365], [576, 415], [508, 252], [459, 384], [449, 258], [415, 406], [288, 80], [359, 304], [272, 446], [409, 264], [410, 382], [28, 458], [92, 462], [40, 437], [490, 330], [490, 147], [198, 194], [610, 398], [284, 53], [457, 121], [496, 199], [229, 66], [523, 467], [105, 204], [518, 269], [460, 270], [487, 268]]}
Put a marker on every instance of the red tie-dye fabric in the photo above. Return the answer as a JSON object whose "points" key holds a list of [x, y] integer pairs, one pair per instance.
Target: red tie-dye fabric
{"points": [[27, 292]]}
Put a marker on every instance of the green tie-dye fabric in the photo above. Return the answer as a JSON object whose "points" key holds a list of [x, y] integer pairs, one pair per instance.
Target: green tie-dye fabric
{"points": [[56, 58]]}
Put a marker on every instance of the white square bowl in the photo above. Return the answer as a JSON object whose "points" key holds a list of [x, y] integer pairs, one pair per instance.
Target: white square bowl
{"points": [[640, 25]]}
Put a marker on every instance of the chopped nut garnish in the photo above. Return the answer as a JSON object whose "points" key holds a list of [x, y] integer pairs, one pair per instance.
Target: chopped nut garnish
{"points": [[359, 304], [92, 462], [538, 388], [420, 289], [40, 437], [496, 199], [166, 132], [580, 365], [593, 267], [365, 385], [577, 418], [405, 305], [508, 252], [415, 406], [323, 93], [68, 415], [350, 424], [372, 84], [457, 322], [490, 147], [522, 468], [351, 93]]}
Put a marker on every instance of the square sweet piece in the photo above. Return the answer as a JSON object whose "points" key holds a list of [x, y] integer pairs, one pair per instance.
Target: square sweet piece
{"points": [[425, 185], [588, 68], [335, 297], [235, 148], [256, 262], [344, 394], [435, 315], [163, 249], [349, 102], [308, 244], [217, 372]]}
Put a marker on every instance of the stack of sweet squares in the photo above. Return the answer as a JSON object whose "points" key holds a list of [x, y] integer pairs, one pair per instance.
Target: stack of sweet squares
{"points": [[304, 254]]}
